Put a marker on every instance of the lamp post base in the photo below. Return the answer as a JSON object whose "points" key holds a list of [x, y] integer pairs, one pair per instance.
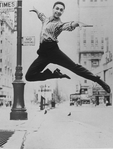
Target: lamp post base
{"points": [[18, 115], [18, 111]]}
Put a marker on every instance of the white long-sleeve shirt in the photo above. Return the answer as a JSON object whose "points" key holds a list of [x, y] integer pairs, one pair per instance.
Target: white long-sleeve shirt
{"points": [[52, 27]]}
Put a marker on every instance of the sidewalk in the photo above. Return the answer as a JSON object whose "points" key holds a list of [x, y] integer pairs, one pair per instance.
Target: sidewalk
{"points": [[20, 127], [56, 130]]}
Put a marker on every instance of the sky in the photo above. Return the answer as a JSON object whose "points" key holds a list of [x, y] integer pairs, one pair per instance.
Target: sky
{"points": [[31, 26]]}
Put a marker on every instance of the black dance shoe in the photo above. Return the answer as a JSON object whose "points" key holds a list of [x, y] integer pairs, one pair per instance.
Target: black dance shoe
{"points": [[103, 84], [58, 74]]}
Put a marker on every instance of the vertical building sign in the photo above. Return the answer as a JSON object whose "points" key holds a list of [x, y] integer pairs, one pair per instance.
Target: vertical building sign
{"points": [[9, 8], [15, 19]]}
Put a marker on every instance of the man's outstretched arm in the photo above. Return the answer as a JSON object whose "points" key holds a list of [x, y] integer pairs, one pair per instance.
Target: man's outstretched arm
{"points": [[40, 15], [70, 26], [80, 24]]}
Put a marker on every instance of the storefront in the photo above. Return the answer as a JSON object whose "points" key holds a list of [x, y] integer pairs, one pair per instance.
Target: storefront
{"points": [[106, 73]]}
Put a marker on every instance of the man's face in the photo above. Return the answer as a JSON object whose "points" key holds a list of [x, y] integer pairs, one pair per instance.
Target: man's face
{"points": [[58, 10]]}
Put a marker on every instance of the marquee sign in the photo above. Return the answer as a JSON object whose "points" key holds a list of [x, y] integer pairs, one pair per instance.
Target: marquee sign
{"points": [[7, 6]]}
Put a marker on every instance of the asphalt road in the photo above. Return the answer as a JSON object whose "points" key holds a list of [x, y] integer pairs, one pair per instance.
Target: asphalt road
{"points": [[86, 127]]}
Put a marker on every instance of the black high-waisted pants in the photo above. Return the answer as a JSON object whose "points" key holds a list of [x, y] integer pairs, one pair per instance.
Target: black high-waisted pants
{"points": [[49, 52]]}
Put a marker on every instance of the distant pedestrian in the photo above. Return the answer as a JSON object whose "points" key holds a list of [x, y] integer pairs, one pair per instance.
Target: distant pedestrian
{"points": [[45, 112], [53, 103], [49, 51]]}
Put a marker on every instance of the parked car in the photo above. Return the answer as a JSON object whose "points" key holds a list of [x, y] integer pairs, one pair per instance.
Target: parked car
{"points": [[74, 98], [85, 99]]}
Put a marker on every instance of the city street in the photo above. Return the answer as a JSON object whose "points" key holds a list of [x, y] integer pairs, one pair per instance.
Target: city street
{"points": [[86, 126]]}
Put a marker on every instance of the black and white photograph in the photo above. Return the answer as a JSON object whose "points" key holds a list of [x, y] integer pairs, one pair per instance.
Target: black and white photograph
{"points": [[56, 74]]}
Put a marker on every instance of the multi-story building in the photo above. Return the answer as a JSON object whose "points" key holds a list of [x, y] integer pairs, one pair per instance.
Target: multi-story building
{"points": [[95, 44], [6, 59]]}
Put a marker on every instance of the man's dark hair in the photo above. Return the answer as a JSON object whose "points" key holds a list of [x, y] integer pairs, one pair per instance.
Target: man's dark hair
{"points": [[61, 3]]}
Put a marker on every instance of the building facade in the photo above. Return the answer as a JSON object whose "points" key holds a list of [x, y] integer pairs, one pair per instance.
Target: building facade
{"points": [[6, 59], [95, 43]]}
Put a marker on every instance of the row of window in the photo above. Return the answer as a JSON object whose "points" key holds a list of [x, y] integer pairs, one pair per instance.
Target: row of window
{"points": [[94, 43], [94, 63], [8, 71]]}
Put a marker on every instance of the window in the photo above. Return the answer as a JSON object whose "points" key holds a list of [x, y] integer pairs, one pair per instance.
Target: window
{"points": [[96, 41], [85, 63], [5, 69], [95, 63], [102, 40], [102, 47], [92, 41], [84, 41], [85, 81]]}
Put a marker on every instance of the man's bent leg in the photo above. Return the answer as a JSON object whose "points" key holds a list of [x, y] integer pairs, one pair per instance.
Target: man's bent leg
{"points": [[35, 73]]}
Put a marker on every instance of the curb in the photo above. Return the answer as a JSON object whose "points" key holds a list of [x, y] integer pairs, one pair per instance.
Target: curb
{"points": [[16, 141]]}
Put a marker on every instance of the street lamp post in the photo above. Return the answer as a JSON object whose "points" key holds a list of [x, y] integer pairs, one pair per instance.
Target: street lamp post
{"points": [[18, 111]]}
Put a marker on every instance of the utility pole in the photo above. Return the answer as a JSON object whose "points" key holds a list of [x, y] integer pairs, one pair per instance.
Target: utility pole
{"points": [[18, 111]]}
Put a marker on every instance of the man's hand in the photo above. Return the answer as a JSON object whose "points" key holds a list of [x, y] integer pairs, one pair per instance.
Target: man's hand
{"points": [[34, 10], [81, 25], [84, 25]]}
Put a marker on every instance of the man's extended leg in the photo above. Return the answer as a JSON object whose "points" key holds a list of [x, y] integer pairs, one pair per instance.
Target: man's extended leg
{"points": [[61, 59]]}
